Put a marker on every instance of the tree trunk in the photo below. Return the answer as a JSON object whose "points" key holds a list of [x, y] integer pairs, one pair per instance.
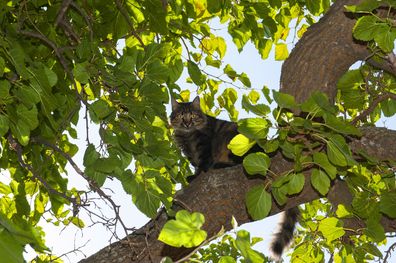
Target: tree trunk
{"points": [[323, 54]]}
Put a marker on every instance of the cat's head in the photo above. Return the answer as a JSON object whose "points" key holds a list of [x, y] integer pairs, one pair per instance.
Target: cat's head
{"points": [[187, 116]]}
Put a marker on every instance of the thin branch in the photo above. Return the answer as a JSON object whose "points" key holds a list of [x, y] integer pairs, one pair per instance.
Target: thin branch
{"points": [[62, 11], [125, 14], [389, 252], [372, 106], [91, 183], [18, 149], [52, 45]]}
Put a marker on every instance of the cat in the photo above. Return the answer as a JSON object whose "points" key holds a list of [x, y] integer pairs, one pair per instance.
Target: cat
{"points": [[203, 139]]}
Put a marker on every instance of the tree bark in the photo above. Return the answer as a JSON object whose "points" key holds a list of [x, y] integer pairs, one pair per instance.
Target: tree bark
{"points": [[323, 54]]}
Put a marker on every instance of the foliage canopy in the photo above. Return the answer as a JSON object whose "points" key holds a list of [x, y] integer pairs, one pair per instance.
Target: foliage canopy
{"points": [[60, 60]]}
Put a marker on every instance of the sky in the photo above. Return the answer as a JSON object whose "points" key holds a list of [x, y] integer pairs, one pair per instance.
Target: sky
{"points": [[96, 237]]}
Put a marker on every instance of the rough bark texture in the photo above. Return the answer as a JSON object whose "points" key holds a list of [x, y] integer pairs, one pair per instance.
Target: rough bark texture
{"points": [[324, 53], [223, 196]]}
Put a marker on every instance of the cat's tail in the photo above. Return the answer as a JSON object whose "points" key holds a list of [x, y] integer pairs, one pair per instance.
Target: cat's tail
{"points": [[285, 233]]}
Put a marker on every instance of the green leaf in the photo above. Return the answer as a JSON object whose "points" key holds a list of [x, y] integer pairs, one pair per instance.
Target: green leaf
{"points": [[281, 52], [157, 71], [245, 80], [342, 212], [388, 107], [321, 160], [244, 245], [81, 73], [296, 184], [226, 259], [195, 73], [2, 66], [258, 202], [185, 230], [385, 38], [231, 73], [375, 230], [284, 100], [335, 154], [3, 125], [320, 181], [90, 156], [99, 110], [364, 6], [256, 163], [280, 194], [330, 229], [240, 144], [253, 128], [388, 204], [147, 200], [258, 109], [367, 27], [10, 249], [27, 116], [341, 126]]}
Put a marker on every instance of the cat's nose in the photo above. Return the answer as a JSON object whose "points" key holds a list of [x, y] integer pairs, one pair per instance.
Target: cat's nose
{"points": [[187, 124]]}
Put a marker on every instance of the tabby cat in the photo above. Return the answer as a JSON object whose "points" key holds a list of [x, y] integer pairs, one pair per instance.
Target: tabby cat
{"points": [[203, 140]]}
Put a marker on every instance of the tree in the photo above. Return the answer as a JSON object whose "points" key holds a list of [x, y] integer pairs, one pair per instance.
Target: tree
{"points": [[61, 57]]}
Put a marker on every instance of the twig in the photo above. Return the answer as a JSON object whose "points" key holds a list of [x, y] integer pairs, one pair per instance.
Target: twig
{"points": [[389, 252], [62, 11], [86, 17], [125, 14], [91, 183], [18, 149], [372, 106], [52, 45], [207, 241]]}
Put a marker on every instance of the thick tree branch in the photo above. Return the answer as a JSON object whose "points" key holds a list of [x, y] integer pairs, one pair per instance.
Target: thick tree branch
{"points": [[223, 196]]}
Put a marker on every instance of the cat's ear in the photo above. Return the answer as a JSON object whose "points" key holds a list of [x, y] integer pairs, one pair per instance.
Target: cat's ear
{"points": [[175, 104], [196, 103]]}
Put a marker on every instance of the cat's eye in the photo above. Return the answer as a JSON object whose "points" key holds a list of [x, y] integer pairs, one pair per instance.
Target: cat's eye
{"points": [[194, 116]]}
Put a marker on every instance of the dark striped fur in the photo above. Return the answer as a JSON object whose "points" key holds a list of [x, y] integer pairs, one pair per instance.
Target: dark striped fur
{"points": [[284, 236], [203, 139]]}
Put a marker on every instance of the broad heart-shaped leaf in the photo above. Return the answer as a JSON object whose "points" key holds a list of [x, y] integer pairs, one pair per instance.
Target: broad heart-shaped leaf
{"points": [[28, 116], [375, 230], [321, 160], [258, 202], [320, 181], [388, 107], [240, 144], [254, 128], [284, 100], [90, 156], [366, 28], [184, 230], [330, 229], [388, 204], [10, 249], [296, 184], [385, 38], [147, 200], [256, 163]]}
